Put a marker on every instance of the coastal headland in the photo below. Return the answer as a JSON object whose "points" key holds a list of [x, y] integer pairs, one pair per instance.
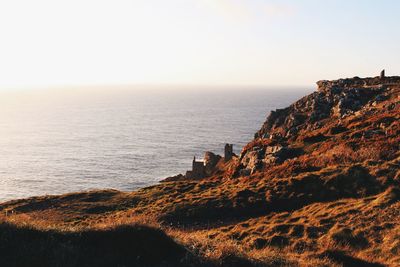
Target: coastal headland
{"points": [[319, 185]]}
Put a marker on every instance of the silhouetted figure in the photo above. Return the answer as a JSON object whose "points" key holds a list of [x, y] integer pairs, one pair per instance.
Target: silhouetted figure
{"points": [[382, 74]]}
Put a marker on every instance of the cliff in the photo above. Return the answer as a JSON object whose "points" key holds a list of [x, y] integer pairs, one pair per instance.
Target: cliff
{"points": [[327, 116], [319, 185]]}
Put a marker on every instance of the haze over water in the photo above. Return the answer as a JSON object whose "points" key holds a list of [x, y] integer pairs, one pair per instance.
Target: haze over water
{"points": [[65, 141]]}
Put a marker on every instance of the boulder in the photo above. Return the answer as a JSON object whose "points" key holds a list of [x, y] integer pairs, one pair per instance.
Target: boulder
{"points": [[210, 161]]}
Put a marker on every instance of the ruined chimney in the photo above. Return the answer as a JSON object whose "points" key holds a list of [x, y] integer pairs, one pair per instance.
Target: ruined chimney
{"points": [[228, 152]]}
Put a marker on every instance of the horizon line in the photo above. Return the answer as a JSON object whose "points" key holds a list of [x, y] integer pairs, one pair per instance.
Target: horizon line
{"points": [[169, 86]]}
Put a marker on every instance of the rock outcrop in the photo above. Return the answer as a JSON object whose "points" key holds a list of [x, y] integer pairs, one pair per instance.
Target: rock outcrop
{"points": [[334, 101], [210, 162]]}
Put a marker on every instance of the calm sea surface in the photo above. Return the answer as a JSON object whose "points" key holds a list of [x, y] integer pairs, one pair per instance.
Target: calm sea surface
{"points": [[72, 140]]}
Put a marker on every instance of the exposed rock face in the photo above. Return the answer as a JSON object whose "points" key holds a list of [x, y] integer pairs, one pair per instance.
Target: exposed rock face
{"points": [[210, 161], [333, 101], [358, 82], [261, 156], [333, 98]]}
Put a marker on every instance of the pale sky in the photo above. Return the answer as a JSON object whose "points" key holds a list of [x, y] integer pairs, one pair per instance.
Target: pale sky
{"points": [[47, 43]]}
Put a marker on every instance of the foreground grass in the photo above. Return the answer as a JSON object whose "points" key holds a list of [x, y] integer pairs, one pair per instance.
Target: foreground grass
{"points": [[120, 246], [320, 234]]}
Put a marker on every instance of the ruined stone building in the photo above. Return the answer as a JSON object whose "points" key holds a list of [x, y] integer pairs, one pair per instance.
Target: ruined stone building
{"points": [[198, 170], [208, 166], [228, 152]]}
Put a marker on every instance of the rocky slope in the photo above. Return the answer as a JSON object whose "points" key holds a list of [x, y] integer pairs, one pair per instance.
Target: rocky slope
{"points": [[325, 115], [319, 185]]}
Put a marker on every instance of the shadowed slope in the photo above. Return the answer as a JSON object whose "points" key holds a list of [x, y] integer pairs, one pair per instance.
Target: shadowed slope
{"points": [[121, 246]]}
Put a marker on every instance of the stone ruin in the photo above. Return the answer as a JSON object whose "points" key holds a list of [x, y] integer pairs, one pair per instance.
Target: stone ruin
{"points": [[198, 170], [228, 152], [208, 166]]}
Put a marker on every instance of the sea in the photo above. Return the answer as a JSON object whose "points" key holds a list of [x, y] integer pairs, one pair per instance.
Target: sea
{"points": [[54, 141]]}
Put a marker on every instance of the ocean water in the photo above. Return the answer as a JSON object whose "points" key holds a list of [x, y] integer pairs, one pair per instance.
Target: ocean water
{"points": [[58, 141]]}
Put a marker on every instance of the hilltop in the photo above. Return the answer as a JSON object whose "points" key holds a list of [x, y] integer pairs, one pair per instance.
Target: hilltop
{"points": [[319, 185]]}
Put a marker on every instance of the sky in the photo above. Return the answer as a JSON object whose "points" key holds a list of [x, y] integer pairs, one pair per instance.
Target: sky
{"points": [[50, 43]]}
